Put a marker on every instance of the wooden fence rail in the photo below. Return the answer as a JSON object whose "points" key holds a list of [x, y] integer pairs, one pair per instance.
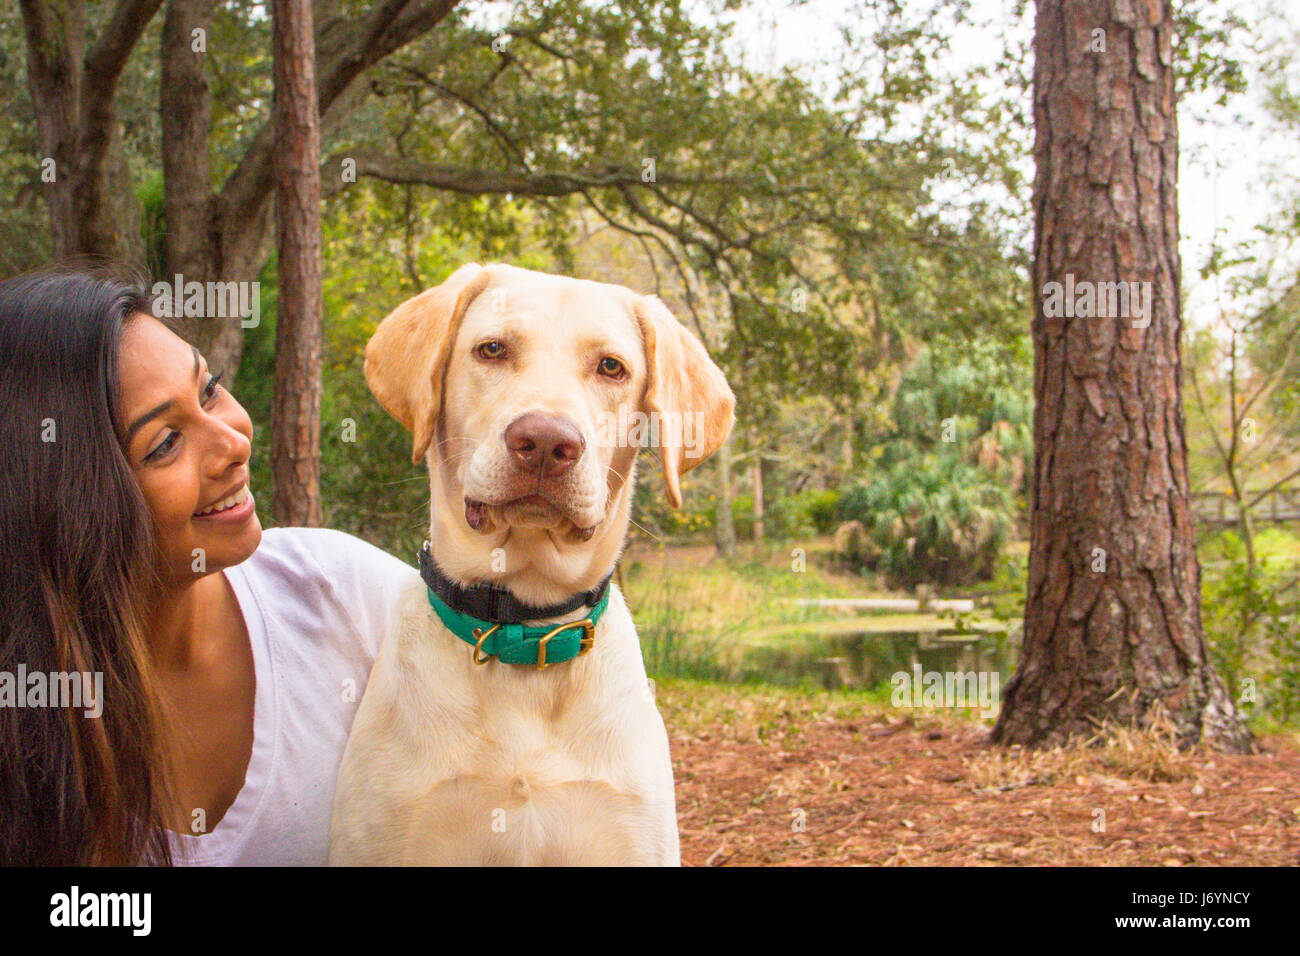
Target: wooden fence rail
{"points": [[1217, 507]]}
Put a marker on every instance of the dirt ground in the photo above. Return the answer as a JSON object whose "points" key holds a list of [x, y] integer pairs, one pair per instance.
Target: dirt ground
{"points": [[769, 779]]}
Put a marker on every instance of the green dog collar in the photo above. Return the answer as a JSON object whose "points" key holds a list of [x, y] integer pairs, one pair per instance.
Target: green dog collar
{"points": [[533, 645]]}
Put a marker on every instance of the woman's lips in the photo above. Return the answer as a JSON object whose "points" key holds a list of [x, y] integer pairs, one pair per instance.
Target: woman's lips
{"points": [[235, 515]]}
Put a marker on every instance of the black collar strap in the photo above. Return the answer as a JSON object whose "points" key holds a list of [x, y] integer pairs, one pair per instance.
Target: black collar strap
{"points": [[496, 604]]}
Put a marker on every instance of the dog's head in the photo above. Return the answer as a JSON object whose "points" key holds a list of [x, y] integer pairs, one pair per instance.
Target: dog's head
{"points": [[529, 396]]}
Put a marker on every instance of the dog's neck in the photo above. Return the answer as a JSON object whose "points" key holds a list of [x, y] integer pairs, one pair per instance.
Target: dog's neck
{"points": [[538, 566]]}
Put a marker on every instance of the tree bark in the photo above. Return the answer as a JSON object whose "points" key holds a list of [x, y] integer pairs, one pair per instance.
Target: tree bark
{"points": [[295, 421], [72, 91], [185, 101], [55, 35], [1112, 618]]}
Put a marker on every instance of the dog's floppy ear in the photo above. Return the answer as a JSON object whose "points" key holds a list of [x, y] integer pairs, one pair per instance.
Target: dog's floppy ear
{"points": [[685, 390], [407, 356]]}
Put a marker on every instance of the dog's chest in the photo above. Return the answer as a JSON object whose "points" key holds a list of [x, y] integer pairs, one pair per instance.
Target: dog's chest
{"points": [[500, 764], [527, 790], [542, 773]]}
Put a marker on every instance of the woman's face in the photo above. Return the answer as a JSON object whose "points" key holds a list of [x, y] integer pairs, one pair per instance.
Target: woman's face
{"points": [[188, 441]]}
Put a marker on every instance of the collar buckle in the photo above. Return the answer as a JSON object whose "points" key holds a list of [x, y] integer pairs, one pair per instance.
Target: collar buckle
{"points": [[588, 639]]}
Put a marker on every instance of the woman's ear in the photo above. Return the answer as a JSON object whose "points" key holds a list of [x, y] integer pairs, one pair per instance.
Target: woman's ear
{"points": [[406, 358], [685, 392]]}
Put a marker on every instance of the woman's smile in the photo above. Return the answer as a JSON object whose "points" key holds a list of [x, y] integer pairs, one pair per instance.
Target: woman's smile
{"points": [[232, 508]]}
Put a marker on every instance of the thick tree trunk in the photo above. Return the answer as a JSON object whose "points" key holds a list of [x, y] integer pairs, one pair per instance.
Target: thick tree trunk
{"points": [[1112, 619], [756, 476], [185, 101], [72, 91], [295, 424], [56, 35]]}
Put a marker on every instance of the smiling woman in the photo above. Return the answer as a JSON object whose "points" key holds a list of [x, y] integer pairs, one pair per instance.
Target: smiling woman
{"points": [[130, 548]]}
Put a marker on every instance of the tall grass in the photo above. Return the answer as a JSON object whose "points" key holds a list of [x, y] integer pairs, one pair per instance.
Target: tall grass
{"points": [[669, 647]]}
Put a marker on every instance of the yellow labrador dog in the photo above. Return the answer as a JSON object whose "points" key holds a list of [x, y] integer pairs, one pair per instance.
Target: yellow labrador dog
{"points": [[508, 719]]}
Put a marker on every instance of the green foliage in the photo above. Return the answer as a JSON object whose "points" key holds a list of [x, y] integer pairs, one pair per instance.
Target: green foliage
{"points": [[941, 498], [652, 514], [1208, 54], [1251, 622], [153, 222], [800, 515], [823, 508], [969, 399], [934, 521]]}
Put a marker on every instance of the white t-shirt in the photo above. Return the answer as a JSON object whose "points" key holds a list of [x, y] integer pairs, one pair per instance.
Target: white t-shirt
{"points": [[317, 603]]}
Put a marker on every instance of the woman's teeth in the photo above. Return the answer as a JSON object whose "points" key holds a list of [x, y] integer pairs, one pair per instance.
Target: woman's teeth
{"points": [[238, 498]]}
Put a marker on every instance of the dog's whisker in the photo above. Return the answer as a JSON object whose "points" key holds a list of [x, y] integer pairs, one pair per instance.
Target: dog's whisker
{"points": [[645, 531]]}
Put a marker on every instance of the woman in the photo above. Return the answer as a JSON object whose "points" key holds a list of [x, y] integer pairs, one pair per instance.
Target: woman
{"points": [[232, 661]]}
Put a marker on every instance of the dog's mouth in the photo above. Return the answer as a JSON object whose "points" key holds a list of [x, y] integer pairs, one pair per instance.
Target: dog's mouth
{"points": [[531, 510]]}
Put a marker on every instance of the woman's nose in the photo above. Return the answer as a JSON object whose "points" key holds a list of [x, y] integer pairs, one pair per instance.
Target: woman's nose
{"points": [[230, 445]]}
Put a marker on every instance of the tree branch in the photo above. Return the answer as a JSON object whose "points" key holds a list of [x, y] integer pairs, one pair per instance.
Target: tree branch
{"points": [[480, 181], [343, 53]]}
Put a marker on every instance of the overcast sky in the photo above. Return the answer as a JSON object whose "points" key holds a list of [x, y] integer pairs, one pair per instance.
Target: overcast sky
{"points": [[1226, 154]]}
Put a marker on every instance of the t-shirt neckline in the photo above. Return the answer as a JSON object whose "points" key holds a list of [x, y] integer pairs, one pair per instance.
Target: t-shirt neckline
{"points": [[229, 834]]}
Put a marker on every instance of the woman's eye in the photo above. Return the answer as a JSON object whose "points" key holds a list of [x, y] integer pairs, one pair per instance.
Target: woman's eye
{"points": [[611, 367], [491, 350], [166, 446], [212, 387]]}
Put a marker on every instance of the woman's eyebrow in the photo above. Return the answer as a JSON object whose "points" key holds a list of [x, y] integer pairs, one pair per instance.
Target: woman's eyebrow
{"points": [[157, 410]]}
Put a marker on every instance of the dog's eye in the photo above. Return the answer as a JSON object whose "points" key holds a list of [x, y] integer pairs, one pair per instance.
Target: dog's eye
{"points": [[611, 367], [491, 350]]}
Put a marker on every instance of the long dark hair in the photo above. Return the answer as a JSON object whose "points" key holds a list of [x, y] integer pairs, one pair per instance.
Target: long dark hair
{"points": [[76, 566]]}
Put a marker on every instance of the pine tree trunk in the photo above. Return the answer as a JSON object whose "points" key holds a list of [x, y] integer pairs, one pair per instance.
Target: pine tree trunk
{"points": [[1112, 619], [295, 422]]}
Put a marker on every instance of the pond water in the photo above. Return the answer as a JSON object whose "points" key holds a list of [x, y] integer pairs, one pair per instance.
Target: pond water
{"points": [[866, 653]]}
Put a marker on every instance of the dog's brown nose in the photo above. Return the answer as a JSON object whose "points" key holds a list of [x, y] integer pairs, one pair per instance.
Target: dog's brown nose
{"points": [[545, 443]]}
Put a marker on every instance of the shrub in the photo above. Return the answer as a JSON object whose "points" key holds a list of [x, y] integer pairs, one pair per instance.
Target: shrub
{"points": [[801, 515], [1250, 621], [823, 509], [934, 521]]}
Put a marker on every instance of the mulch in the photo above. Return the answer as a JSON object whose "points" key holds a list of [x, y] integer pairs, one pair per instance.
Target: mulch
{"points": [[767, 780]]}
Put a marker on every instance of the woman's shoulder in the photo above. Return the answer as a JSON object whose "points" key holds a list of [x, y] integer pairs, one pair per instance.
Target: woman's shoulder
{"points": [[334, 559], [325, 548], [319, 575]]}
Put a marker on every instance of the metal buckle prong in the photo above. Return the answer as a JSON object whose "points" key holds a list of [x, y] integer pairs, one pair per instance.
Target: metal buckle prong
{"points": [[588, 636], [482, 636]]}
